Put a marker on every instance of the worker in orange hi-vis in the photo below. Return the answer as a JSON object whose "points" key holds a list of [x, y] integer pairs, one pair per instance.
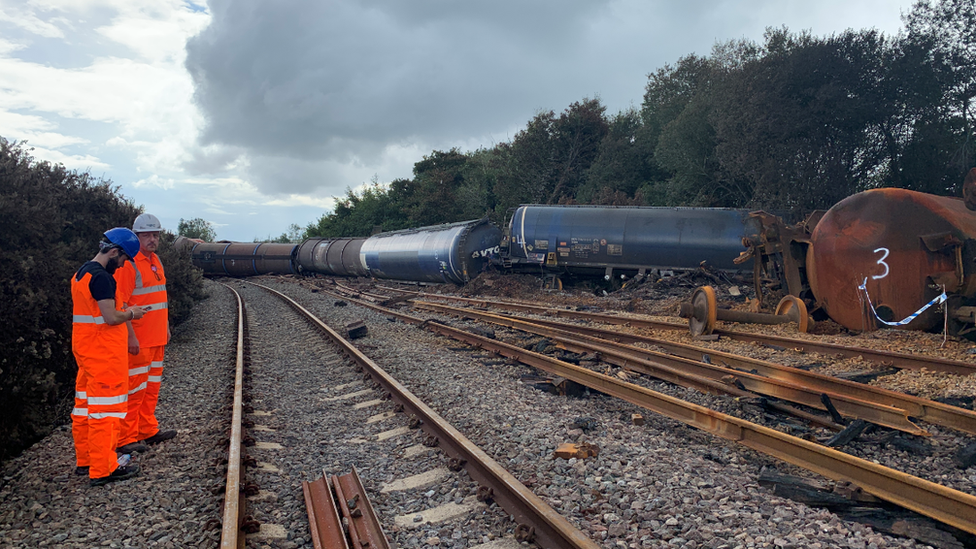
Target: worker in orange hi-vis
{"points": [[98, 341], [142, 282]]}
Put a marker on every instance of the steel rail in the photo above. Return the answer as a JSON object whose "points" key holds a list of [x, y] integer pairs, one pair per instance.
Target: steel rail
{"points": [[365, 530], [358, 293], [930, 411], [884, 358], [933, 500], [675, 369], [550, 530], [235, 503], [323, 515]]}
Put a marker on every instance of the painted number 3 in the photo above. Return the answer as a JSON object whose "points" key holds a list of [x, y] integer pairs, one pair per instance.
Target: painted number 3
{"points": [[882, 263]]}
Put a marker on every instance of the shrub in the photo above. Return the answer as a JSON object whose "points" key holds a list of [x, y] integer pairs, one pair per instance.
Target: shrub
{"points": [[51, 220]]}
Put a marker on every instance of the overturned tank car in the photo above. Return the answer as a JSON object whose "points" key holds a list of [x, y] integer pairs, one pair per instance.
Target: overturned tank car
{"points": [[880, 258], [625, 241]]}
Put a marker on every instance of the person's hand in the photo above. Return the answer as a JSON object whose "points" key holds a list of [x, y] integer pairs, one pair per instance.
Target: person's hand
{"points": [[133, 345], [137, 312]]}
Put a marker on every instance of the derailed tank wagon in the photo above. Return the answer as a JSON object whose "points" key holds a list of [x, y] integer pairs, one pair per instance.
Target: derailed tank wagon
{"points": [[240, 259], [881, 258], [455, 252], [627, 242], [331, 256], [886, 257]]}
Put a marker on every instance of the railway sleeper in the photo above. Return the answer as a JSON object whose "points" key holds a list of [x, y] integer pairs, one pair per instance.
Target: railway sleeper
{"points": [[849, 502]]}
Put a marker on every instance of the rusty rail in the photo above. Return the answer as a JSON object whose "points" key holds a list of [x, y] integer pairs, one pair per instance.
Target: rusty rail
{"points": [[931, 411], [540, 522], [323, 515], [364, 526], [884, 358], [326, 497], [939, 502], [235, 504], [675, 369]]}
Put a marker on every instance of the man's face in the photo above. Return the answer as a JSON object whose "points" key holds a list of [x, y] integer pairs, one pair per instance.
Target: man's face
{"points": [[117, 258], [148, 242]]}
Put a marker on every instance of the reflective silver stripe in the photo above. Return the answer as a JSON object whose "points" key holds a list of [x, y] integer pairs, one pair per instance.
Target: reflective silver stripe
{"points": [[80, 412], [156, 379], [137, 371], [156, 364], [81, 395], [148, 289], [137, 389], [138, 274], [156, 306], [103, 415], [107, 401], [87, 319]]}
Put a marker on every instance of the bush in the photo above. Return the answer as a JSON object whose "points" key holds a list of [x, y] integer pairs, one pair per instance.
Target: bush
{"points": [[184, 282], [51, 220]]}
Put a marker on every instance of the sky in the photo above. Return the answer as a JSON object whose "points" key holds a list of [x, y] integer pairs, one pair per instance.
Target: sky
{"points": [[254, 114]]}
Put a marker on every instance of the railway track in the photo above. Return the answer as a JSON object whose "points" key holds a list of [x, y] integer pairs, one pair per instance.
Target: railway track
{"points": [[932, 500], [659, 484], [449, 457], [856, 400], [800, 345]]}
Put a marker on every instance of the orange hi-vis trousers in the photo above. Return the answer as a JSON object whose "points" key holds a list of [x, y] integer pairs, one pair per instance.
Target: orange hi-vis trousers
{"points": [[145, 375], [101, 395]]}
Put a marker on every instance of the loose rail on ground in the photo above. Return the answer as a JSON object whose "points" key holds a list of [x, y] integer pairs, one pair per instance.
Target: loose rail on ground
{"points": [[885, 358], [939, 502]]}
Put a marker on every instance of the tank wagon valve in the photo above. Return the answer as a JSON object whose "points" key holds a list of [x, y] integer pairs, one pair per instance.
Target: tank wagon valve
{"points": [[703, 312]]}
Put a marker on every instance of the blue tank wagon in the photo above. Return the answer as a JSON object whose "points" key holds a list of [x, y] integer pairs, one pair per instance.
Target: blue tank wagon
{"points": [[626, 240], [454, 252]]}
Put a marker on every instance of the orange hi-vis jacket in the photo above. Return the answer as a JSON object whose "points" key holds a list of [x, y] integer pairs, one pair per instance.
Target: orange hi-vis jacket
{"points": [[145, 277], [91, 337]]}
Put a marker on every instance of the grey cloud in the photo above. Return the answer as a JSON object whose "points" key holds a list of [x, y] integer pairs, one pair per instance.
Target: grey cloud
{"points": [[338, 83], [284, 175], [341, 80]]}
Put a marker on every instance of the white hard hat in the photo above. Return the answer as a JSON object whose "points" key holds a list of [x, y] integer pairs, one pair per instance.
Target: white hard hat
{"points": [[146, 223]]}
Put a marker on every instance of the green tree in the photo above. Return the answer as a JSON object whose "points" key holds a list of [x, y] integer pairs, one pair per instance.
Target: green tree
{"points": [[576, 135], [624, 167], [795, 124], [197, 228], [547, 162], [475, 195], [355, 214], [295, 234], [433, 193], [527, 164], [676, 136], [945, 30]]}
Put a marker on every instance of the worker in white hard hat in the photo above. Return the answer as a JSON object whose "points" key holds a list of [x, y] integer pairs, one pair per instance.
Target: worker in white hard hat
{"points": [[142, 282]]}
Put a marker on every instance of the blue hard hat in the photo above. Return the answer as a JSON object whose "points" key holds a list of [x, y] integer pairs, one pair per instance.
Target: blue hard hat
{"points": [[125, 239]]}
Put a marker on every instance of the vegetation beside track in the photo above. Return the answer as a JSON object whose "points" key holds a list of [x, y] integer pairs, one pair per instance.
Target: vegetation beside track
{"points": [[51, 219]]}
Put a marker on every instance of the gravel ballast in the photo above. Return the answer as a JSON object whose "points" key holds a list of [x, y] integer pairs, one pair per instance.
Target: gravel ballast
{"points": [[660, 484]]}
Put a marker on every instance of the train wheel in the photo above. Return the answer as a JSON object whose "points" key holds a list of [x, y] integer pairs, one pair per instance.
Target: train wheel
{"points": [[795, 307], [705, 311], [553, 282]]}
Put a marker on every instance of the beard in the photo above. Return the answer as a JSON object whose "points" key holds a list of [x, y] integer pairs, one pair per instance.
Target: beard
{"points": [[113, 264]]}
